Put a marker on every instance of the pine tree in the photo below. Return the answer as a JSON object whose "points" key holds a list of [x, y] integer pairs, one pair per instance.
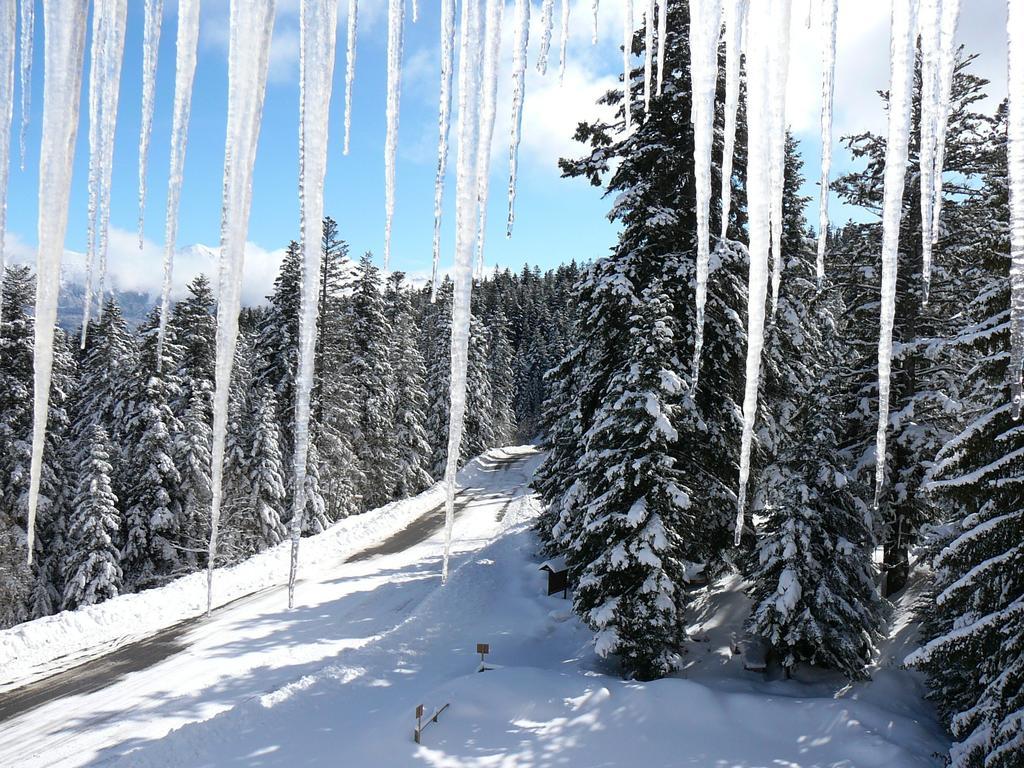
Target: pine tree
{"points": [[92, 571], [502, 383], [266, 470], [194, 324], [193, 449]]}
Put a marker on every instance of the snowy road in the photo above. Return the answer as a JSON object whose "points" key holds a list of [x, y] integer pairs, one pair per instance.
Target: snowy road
{"points": [[253, 645]]}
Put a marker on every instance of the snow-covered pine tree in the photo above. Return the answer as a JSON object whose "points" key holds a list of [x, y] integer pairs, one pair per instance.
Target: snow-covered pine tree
{"points": [[974, 654], [265, 469], [412, 451], [92, 572], [194, 325], [192, 457], [502, 358], [925, 383], [628, 555], [152, 480], [373, 382]]}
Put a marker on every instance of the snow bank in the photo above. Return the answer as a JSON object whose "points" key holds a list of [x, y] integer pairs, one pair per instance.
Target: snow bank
{"points": [[39, 648]]}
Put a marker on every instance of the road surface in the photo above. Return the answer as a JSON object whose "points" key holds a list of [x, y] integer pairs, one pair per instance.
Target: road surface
{"points": [[249, 647]]}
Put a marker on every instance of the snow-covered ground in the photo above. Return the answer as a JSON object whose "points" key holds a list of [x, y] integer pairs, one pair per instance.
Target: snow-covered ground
{"points": [[337, 680]]}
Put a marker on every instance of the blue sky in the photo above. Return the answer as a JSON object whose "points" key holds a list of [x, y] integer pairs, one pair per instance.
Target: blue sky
{"points": [[556, 219]]}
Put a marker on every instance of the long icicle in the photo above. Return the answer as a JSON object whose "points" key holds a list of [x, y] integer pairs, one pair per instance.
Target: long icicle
{"points": [[777, 150], [594, 6], [396, 24], [901, 91], [105, 57], [735, 13], [649, 53], [444, 112], [521, 42], [662, 35], [627, 63], [28, 24], [252, 22], [184, 75], [150, 53], [489, 93], [704, 26], [64, 24], [8, 33], [350, 67], [759, 138], [318, 21], [947, 63], [928, 28], [828, 70], [465, 226], [1015, 158], [563, 41], [547, 15]]}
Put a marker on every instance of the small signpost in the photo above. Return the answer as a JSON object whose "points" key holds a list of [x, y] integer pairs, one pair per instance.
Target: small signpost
{"points": [[483, 649], [420, 725]]}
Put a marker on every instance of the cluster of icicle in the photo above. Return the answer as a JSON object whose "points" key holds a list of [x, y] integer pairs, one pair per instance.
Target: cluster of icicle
{"points": [[478, 39]]}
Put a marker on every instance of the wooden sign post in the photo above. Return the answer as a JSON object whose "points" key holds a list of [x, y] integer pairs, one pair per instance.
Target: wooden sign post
{"points": [[418, 732]]}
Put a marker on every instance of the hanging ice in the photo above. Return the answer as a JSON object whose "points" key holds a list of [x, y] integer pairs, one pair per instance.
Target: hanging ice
{"points": [[777, 111], [947, 63], [252, 22], [8, 30], [489, 91], [444, 110], [594, 8], [735, 15], [760, 136], [184, 73], [547, 13], [828, 69], [396, 22], [105, 56], [704, 25], [1015, 157], [627, 67], [28, 23], [63, 47], [649, 55], [415, 11], [929, 31], [350, 66], [662, 34], [520, 44], [318, 20], [564, 42], [465, 236], [901, 90], [150, 52]]}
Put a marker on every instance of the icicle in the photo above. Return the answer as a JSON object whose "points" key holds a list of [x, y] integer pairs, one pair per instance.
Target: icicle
{"points": [[8, 33], [415, 11], [105, 56], [489, 91], [252, 22], [64, 24], [760, 136], [547, 13], [1015, 157], [396, 22], [649, 55], [901, 89], [28, 23], [150, 53], [777, 150], [443, 119], [627, 68], [184, 73], [947, 63], [704, 26], [520, 44], [594, 8], [350, 67], [318, 20], [564, 43], [828, 70], [465, 225], [662, 34], [929, 30], [735, 13]]}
